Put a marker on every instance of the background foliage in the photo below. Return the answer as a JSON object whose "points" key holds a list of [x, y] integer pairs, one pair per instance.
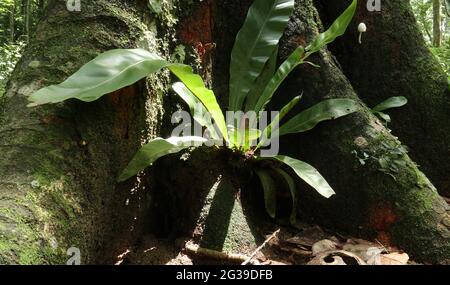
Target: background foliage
{"points": [[18, 19], [9, 55], [423, 10]]}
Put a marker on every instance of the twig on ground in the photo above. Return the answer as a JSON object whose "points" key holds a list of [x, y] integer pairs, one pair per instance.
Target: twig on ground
{"points": [[214, 254], [382, 245], [260, 247]]}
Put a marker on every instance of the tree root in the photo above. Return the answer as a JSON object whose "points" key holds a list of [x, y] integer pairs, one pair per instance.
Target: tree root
{"points": [[261, 247], [218, 255]]}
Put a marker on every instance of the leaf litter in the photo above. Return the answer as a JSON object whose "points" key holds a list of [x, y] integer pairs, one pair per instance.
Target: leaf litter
{"points": [[302, 244]]}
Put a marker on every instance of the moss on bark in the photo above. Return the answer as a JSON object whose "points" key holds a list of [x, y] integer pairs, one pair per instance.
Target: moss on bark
{"points": [[201, 197], [224, 222]]}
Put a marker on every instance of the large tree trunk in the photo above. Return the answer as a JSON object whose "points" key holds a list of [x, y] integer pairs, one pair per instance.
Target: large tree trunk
{"points": [[393, 60], [387, 197], [437, 32], [59, 163], [27, 15], [12, 22]]}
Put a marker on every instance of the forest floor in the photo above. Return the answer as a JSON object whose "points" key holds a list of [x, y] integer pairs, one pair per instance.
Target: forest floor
{"points": [[298, 245]]}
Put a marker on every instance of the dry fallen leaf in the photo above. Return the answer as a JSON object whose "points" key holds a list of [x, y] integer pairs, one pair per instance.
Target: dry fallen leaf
{"points": [[394, 258], [336, 257], [308, 236], [323, 246], [332, 260], [365, 249]]}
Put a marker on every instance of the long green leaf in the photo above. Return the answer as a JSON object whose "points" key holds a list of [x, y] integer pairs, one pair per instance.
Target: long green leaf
{"points": [[308, 174], [298, 56], [393, 102], [155, 149], [337, 29], [323, 111], [118, 68], [242, 137], [261, 82], [248, 137], [255, 43], [383, 116], [270, 195], [276, 121], [291, 185], [196, 85], [294, 60], [106, 73], [234, 136], [198, 110]]}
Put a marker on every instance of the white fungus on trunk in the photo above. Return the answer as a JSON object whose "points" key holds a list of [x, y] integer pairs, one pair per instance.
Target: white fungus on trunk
{"points": [[362, 28]]}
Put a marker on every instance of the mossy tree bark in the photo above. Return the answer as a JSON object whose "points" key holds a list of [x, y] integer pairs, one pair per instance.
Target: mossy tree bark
{"points": [[59, 163], [57, 179], [385, 196], [393, 60]]}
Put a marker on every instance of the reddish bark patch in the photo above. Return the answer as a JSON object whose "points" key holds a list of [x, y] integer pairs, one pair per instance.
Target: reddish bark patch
{"points": [[384, 238], [59, 123], [52, 120], [382, 217], [121, 100], [197, 30], [300, 40]]}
